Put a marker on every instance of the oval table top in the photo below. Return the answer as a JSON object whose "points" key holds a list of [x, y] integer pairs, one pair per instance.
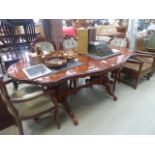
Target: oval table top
{"points": [[91, 66]]}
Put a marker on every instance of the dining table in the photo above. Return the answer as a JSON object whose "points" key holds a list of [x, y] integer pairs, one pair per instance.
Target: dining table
{"points": [[62, 82]]}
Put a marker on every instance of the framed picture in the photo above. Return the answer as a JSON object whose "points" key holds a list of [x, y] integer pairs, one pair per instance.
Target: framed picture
{"points": [[36, 71]]}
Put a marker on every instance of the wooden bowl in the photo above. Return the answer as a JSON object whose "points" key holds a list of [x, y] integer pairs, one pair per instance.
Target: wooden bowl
{"points": [[55, 60]]}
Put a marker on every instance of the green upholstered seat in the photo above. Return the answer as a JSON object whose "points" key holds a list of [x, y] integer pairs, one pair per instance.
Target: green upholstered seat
{"points": [[135, 67], [31, 107], [35, 106], [26, 92]]}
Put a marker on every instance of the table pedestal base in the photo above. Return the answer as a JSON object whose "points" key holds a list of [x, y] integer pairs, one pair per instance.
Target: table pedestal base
{"points": [[61, 92]]}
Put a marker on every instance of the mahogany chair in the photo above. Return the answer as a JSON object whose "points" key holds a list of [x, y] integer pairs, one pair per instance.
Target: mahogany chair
{"points": [[138, 66], [141, 65], [118, 42], [29, 102]]}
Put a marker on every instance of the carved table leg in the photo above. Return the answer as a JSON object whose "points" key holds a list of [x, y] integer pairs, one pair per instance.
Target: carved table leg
{"points": [[57, 116], [116, 77], [108, 89], [69, 111], [104, 80]]}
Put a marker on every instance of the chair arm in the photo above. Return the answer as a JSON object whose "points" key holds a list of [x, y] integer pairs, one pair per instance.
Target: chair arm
{"points": [[150, 49], [145, 52], [145, 55], [8, 81], [19, 100], [134, 60], [45, 92]]}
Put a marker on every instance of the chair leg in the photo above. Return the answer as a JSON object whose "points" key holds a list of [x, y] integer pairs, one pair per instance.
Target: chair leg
{"points": [[136, 83], [73, 83], [57, 118], [15, 84], [3, 70], [116, 78], [149, 76], [36, 118], [20, 127]]}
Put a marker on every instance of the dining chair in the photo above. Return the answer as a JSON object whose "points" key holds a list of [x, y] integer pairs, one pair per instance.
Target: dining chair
{"points": [[29, 102], [118, 42], [141, 65]]}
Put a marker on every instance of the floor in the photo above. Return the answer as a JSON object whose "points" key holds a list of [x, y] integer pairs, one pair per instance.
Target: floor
{"points": [[98, 114]]}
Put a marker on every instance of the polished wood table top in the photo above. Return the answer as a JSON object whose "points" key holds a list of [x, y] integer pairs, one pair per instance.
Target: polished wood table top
{"points": [[91, 66]]}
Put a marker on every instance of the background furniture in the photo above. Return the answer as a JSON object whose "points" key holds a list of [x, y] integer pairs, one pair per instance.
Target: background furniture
{"points": [[150, 43], [145, 43], [15, 34]]}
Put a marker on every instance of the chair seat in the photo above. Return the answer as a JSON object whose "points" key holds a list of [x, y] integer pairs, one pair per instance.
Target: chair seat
{"points": [[135, 67], [39, 105], [26, 92], [32, 107], [145, 59]]}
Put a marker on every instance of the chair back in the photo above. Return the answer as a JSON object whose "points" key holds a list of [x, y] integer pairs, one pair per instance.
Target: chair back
{"points": [[45, 45], [119, 42], [69, 43]]}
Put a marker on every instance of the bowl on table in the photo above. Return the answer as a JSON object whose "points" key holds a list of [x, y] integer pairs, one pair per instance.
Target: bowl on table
{"points": [[55, 60]]}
